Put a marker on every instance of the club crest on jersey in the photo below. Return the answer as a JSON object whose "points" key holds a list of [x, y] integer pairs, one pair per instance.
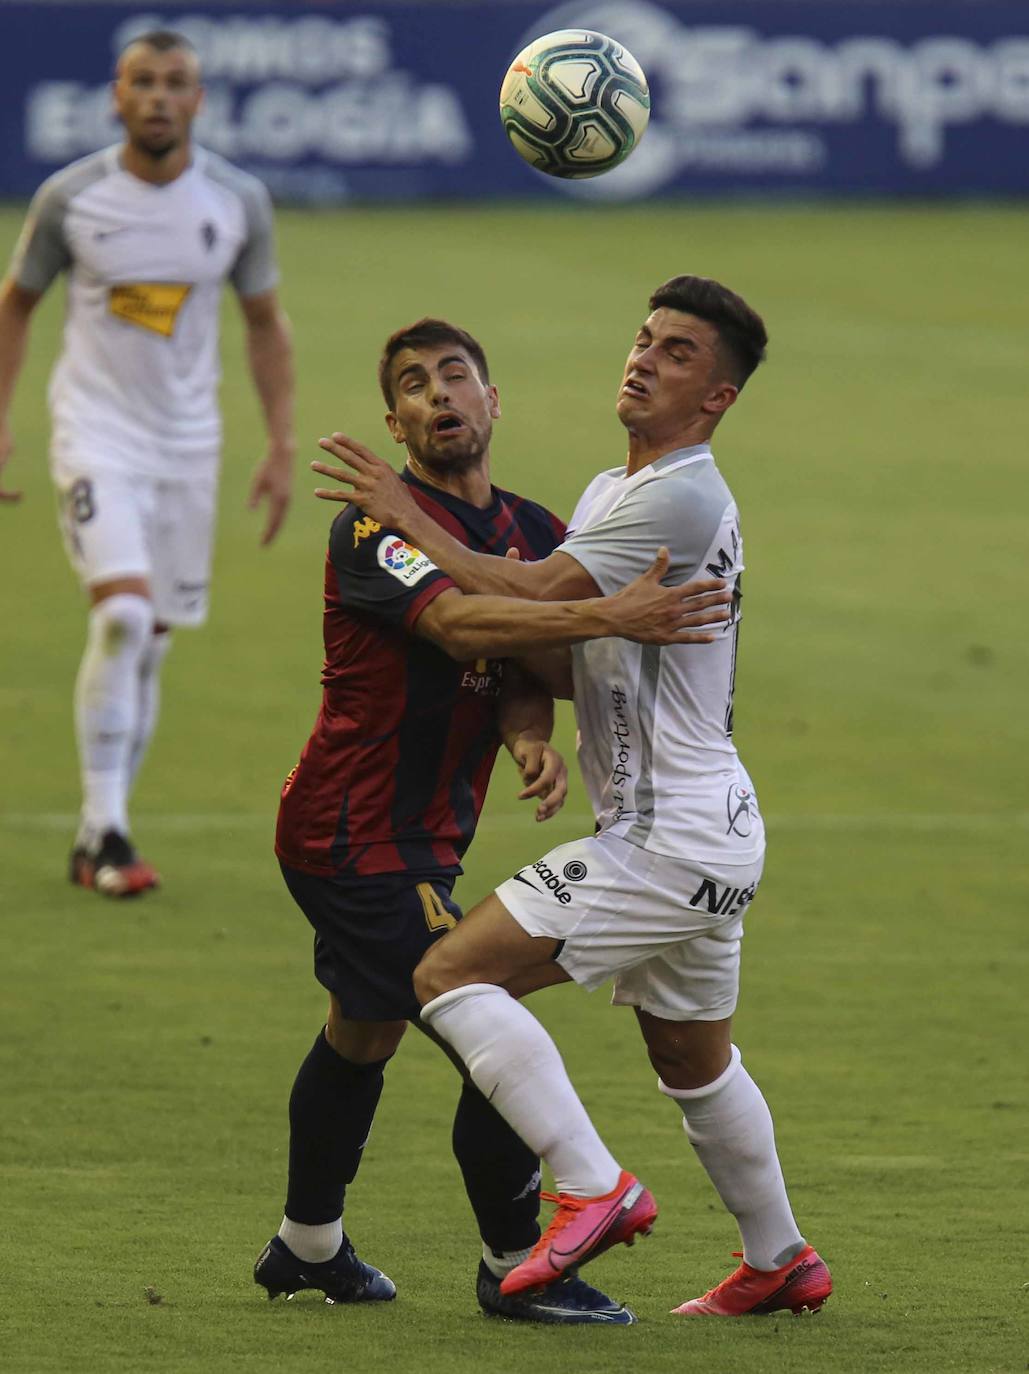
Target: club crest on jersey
{"points": [[403, 561], [152, 305]]}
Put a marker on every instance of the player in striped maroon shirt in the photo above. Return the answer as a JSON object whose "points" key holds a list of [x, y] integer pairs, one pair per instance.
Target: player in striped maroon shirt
{"points": [[419, 692], [394, 775]]}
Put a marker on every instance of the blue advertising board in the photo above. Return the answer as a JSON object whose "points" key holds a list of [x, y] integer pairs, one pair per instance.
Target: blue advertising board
{"points": [[398, 101]]}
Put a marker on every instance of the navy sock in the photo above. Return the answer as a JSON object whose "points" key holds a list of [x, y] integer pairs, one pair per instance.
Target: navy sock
{"points": [[501, 1174], [330, 1114]]}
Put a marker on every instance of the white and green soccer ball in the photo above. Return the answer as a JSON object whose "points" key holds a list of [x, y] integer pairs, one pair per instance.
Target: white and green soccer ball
{"points": [[574, 103]]}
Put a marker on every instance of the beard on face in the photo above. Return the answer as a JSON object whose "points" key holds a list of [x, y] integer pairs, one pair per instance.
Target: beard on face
{"points": [[454, 455], [155, 149]]}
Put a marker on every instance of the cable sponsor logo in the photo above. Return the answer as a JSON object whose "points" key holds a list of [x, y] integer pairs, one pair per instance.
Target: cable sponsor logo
{"points": [[549, 879]]}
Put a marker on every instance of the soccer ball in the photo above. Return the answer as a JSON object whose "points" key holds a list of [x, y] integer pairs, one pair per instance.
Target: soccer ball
{"points": [[574, 103]]}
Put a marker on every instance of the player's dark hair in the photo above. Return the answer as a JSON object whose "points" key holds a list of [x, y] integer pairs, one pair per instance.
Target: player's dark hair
{"points": [[161, 40], [741, 330], [428, 333]]}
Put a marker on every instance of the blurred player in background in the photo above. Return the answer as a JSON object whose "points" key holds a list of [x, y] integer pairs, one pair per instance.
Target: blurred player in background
{"points": [[419, 692], [656, 898], [148, 232]]}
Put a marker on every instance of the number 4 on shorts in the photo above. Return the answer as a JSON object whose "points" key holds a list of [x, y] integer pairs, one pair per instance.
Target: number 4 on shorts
{"points": [[437, 917]]}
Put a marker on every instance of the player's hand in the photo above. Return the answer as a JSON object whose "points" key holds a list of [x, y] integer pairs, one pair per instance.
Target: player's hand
{"points": [[544, 774], [8, 497], [652, 614], [273, 482], [372, 484]]}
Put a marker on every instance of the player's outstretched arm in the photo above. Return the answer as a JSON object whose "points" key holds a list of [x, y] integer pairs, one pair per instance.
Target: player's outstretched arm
{"points": [[270, 353], [16, 307], [645, 611]]}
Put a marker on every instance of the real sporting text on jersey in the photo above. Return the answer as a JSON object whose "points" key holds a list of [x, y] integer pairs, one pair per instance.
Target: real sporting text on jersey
{"points": [[394, 775], [655, 723]]}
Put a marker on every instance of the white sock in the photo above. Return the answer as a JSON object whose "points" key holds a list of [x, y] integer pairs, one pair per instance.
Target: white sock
{"points": [[107, 709], [501, 1265], [315, 1244], [730, 1127], [516, 1066], [149, 699]]}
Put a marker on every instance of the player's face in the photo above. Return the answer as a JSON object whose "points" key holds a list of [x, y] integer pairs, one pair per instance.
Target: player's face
{"points": [[157, 96], [442, 409], [674, 375]]}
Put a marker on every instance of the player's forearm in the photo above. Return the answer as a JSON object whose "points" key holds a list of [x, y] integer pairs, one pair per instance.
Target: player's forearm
{"points": [[526, 709], [270, 353], [14, 334], [498, 627]]}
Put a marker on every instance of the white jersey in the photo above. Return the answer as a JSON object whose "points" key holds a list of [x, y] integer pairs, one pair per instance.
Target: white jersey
{"points": [[655, 723], [135, 387]]}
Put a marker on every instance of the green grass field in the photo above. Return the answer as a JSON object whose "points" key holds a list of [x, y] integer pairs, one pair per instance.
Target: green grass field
{"points": [[147, 1049]]}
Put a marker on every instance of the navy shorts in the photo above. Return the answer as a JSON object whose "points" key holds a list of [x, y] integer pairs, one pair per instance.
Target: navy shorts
{"points": [[370, 934]]}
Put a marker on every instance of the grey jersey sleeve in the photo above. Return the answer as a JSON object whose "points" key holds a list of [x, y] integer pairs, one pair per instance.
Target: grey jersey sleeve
{"points": [[683, 513], [255, 269], [42, 251]]}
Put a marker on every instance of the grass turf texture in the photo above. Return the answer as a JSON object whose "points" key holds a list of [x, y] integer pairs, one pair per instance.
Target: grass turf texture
{"points": [[148, 1048]]}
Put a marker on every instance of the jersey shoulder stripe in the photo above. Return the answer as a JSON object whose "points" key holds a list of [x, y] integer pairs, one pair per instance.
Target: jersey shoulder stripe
{"points": [[42, 251], [255, 270]]}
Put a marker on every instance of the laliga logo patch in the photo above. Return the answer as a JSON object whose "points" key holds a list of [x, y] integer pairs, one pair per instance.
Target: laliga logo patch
{"points": [[402, 561]]}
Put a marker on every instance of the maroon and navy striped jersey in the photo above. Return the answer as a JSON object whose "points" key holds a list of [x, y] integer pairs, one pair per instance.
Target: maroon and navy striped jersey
{"points": [[394, 775]]}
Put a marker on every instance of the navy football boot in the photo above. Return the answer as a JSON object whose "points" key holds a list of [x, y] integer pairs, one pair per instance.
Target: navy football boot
{"points": [[567, 1301], [343, 1279]]}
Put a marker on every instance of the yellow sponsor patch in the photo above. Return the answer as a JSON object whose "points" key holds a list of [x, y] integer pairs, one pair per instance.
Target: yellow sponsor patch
{"points": [[152, 305]]}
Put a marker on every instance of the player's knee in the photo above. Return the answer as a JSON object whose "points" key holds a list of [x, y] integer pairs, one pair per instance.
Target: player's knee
{"points": [[364, 1042], [437, 973], [686, 1066], [123, 622], [426, 980]]}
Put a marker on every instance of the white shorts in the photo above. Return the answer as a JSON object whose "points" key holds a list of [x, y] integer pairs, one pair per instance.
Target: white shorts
{"points": [[668, 931], [118, 524]]}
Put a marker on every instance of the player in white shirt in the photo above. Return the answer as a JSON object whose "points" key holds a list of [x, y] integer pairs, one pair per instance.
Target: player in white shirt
{"points": [[148, 233], [655, 899]]}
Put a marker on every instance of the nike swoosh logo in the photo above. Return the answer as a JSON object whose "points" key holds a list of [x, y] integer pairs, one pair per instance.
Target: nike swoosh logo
{"points": [[519, 879], [601, 1226], [625, 1203], [601, 1314], [108, 233]]}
